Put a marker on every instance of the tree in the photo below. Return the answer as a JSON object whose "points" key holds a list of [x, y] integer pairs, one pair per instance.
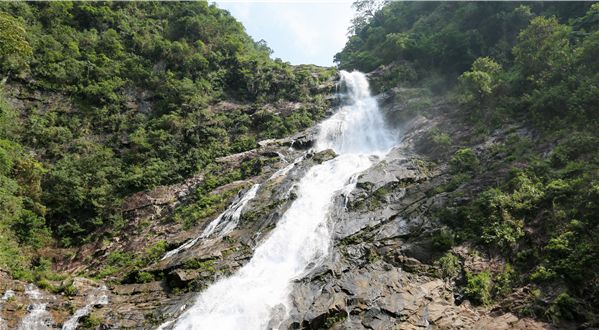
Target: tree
{"points": [[365, 11], [15, 51], [543, 51], [480, 82]]}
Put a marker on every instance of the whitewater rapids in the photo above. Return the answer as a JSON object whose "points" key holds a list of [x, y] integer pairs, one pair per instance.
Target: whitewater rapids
{"points": [[250, 298]]}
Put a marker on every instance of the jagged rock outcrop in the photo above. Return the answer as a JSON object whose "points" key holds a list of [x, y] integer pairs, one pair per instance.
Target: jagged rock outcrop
{"points": [[380, 273]]}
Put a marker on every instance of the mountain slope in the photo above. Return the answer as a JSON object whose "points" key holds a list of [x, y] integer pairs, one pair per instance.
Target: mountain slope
{"points": [[106, 99], [521, 82], [127, 128]]}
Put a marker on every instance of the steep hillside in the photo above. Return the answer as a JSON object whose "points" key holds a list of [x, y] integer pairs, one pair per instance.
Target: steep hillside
{"points": [[437, 41], [148, 150], [100, 100], [518, 143]]}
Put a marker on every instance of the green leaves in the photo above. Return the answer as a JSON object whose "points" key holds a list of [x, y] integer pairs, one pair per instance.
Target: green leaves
{"points": [[529, 202], [15, 50], [439, 37], [81, 191], [478, 85], [464, 161], [544, 49], [22, 223], [557, 71], [478, 287], [130, 101], [503, 232]]}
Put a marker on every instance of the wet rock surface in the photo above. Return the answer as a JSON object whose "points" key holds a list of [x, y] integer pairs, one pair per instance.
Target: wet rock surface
{"points": [[380, 273]]}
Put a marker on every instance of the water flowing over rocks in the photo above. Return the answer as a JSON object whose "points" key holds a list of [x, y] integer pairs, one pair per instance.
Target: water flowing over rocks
{"points": [[380, 274], [94, 297], [301, 238], [374, 270]]}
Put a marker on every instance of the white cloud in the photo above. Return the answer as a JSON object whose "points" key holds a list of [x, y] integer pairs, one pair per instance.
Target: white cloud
{"points": [[305, 31], [304, 35]]}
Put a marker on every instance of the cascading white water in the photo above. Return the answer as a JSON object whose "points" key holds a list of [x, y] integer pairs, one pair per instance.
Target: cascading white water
{"points": [[286, 169], [250, 298], [96, 297], [227, 221], [38, 318], [6, 296], [231, 215], [358, 127]]}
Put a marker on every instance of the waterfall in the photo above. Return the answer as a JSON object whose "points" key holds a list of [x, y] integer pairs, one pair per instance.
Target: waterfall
{"points": [[226, 221], [38, 318], [229, 219], [359, 126], [286, 169], [6, 296], [258, 294], [96, 297]]}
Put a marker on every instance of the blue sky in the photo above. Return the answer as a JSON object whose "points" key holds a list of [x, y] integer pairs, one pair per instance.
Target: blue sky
{"points": [[299, 31]]}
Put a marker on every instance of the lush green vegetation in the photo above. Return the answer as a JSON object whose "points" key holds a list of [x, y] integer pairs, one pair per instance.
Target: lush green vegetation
{"points": [[204, 203], [102, 99], [441, 37], [22, 221], [506, 63], [543, 219], [99, 100]]}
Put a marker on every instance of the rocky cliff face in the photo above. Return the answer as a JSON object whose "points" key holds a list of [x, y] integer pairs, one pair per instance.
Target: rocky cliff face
{"points": [[380, 274]]}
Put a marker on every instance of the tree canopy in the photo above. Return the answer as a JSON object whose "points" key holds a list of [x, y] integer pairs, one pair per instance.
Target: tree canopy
{"points": [[121, 96]]}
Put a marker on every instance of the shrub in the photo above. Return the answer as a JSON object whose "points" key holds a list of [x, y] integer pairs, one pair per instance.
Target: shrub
{"points": [[456, 181], [154, 252], [443, 240], [503, 231], [106, 271], [70, 290], [331, 320], [504, 281], [144, 277], [480, 82], [448, 266], [90, 321], [542, 274], [244, 143], [200, 264], [563, 307], [478, 287], [464, 160], [576, 146], [439, 138]]}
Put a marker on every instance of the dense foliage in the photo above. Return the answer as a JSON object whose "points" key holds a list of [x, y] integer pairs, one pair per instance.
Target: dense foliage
{"points": [[102, 99], [420, 38], [21, 213], [507, 64]]}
